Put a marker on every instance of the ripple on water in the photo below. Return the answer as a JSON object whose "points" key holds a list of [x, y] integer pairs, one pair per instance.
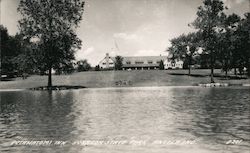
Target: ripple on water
{"points": [[211, 116]]}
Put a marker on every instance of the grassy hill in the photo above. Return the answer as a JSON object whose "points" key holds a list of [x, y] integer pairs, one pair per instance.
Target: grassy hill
{"points": [[96, 79]]}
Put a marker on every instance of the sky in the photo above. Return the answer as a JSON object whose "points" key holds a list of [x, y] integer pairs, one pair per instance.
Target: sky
{"points": [[127, 27]]}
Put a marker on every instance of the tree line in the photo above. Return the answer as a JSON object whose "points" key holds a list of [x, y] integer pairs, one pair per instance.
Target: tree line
{"points": [[18, 57], [47, 39], [219, 41]]}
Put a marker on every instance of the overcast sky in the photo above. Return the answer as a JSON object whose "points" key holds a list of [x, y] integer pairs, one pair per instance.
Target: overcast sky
{"points": [[138, 27]]}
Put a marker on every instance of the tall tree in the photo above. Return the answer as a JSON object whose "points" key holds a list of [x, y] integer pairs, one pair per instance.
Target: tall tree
{"points": [[208, 21], [4, 45], [10, 47], [227, 42], [185, 47], [243, 41], [52, 23], [118, 62]]}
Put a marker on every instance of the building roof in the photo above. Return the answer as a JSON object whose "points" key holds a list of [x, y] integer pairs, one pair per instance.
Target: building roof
{"points": [[112, 58], [140, 65], [143, 58]]}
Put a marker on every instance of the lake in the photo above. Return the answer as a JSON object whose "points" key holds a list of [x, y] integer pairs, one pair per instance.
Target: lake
{"points": [[141, 120]]}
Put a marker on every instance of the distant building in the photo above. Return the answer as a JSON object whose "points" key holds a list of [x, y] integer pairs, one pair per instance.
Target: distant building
{"points": [[176, 64], [141, 62], [108, 62]]}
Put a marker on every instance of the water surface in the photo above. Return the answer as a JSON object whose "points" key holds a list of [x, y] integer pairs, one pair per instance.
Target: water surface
{"points": [[209, 117]]}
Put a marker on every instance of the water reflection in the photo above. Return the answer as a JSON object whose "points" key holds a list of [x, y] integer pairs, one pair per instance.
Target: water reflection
{"points": [[210, 116], [36, 116]]}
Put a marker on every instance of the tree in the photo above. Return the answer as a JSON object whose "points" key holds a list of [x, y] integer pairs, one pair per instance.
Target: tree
{"points": [[25, 60], [161, 65], [243, 41], [185, 47], [208, 21], [5, 51], [83, 65], [65, 68], [227, 42], [52, 24], [11, 47], [118, 63]]}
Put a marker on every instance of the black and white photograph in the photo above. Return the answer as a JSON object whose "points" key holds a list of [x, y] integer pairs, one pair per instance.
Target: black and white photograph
{"points": [[124, 76]]}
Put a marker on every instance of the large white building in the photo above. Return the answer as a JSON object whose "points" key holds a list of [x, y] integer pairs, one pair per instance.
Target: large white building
{"points": [[176, 64], [108, 62], [141, 62]]}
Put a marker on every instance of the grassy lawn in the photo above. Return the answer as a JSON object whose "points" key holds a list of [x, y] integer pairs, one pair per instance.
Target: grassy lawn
{"points": [[96, 79]]}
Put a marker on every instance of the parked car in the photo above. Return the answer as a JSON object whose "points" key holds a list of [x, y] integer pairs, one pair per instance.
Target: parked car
{"points": [[7, 76]]}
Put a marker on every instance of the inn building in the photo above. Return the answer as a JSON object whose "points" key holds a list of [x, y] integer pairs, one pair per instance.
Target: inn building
{"points": [[141, 62]]}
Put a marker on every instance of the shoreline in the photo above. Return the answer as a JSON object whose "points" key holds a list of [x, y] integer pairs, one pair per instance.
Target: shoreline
{"points": [[139, 78], [126, 87]]}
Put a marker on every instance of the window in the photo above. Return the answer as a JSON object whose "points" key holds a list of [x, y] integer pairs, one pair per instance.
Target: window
{"points": [[128, 62], [111, 63], [103, 63], [150, 62], [138, 62], [158, 62]]}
